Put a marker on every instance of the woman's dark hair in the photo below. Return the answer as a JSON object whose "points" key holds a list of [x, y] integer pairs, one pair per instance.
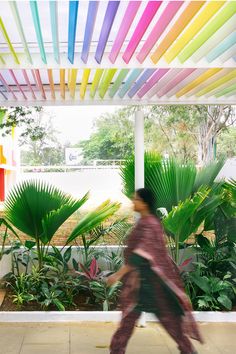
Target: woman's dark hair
{"points": [[147, 197]]}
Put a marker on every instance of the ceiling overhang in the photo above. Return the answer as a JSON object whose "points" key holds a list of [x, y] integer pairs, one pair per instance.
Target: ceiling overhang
{"points": [[117, 52]]}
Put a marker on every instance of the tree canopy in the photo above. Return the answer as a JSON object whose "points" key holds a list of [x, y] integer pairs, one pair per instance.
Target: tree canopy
{"points": [[188, 132], [37, 136]]}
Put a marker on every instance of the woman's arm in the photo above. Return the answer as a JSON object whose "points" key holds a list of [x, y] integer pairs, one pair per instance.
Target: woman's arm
{"points": [[112, 279]]}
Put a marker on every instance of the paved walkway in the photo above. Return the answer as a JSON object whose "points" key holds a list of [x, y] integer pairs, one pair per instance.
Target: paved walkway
{"points": [[94, 338]]}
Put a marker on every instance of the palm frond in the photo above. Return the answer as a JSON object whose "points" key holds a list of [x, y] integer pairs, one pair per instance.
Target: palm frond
{"points": [[93, 219], [180, 220], [117, 229], [52, 221], [171, 182], [207, 174], [31, 204]]}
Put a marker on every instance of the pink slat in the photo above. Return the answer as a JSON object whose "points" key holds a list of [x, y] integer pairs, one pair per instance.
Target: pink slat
{"points": [[167, 15], [40, 83], [35, 80], [7, 86], [17, 83], [181, 76], [150, 83], [141, 28], [28, 82], [128, 18]]}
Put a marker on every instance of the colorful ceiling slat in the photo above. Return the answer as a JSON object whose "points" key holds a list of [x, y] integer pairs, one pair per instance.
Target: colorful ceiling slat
{"points": [[176, 29], [218, 21], [167, 15], [222, 47], [2, 60], [28, 83], [91, 19], [127, 21], [62, 83], [51, 83], [129, 82], [118, 52], [17, 83], [180, 77], [54, 29], [73, 13], [37, 26], [39, 83], [4, 32], [84, 83], [20, 29], [4, 83], [106, 80], [118, 82], [73, 82], [141, 81], [141, 28], [199, 21], [153, 81], [95, 82], [110, 14]]}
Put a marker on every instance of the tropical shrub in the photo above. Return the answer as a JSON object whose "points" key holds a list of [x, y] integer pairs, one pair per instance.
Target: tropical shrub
{"points": [[39, 209], [52, 285], [170, 180], [93, 281], [117, 230], [104, 295], [212, 283], [213, 209], [209, 292]]}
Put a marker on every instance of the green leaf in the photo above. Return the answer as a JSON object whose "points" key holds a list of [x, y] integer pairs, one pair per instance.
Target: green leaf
{"points": [[231, 229], [57, 254], [113, 289], [207, 174], [180, 221], [59, 305], [105, 305], [170, 180], [29, 244], [67, 255], [38, 209], [225, 301], [202, 282], [93, 219], [75, 264], [202, 304]]}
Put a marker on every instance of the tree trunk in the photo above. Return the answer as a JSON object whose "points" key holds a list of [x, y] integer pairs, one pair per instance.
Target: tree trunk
{"points": [[208, 131]]}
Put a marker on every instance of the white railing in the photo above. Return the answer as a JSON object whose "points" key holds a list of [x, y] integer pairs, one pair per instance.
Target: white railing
{"points": [[95, 164]]}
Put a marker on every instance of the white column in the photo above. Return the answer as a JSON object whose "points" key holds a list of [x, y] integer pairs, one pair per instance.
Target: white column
{"points": [[139, 169], [139, 149]]}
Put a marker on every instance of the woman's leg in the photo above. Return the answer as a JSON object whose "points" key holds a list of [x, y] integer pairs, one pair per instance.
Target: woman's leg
{"points": [[173, 325], [122, 335]]}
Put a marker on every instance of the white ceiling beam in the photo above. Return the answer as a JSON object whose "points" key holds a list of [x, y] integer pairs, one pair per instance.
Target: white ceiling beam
{"points": [[125, 102]]}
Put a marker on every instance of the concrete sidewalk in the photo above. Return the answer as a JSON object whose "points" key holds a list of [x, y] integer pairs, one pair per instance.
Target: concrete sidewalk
{"points": [[94, 338]]}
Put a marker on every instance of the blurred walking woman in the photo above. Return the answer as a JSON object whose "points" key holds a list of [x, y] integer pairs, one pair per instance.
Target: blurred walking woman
{"points": [[151, 282]]}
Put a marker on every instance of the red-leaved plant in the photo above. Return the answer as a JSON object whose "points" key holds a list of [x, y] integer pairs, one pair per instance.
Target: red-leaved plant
{"points": [[185, 263], [92, 272]]}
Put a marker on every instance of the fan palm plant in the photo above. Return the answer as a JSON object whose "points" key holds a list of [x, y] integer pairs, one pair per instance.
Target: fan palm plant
{"points": [[187, 216], [151, 161], [39, 209], [170, 180], [178, 188]]}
